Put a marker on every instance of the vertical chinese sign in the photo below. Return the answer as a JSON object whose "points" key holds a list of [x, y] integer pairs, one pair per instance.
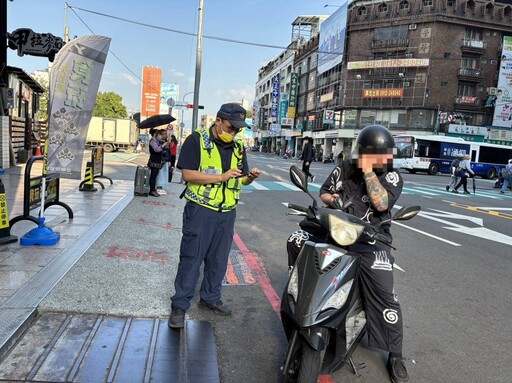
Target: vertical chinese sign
{"points": [[292, 100], [503, 104], [74, 81], [276, 89], [151, 82]]}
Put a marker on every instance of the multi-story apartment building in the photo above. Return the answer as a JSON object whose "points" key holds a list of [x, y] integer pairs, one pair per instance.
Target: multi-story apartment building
{"points": [[274, 85], [405, 64]]}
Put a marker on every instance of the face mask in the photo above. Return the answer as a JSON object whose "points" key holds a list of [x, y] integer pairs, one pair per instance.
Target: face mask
{"points": [[225, 137]]}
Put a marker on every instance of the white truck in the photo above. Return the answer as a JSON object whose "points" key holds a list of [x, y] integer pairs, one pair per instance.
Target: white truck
{"points": [[112, 133]]}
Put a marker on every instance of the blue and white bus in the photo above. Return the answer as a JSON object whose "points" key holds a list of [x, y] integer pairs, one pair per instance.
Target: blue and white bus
{"points": [[433, 154]]}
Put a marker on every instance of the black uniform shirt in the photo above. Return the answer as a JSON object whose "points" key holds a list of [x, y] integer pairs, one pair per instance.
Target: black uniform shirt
{"points": [[190, 155], [348, 181]]}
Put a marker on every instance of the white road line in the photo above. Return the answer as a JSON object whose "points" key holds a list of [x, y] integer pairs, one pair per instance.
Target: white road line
{"points": [[421, 191], [487, 194], [258, 186], [287, 185], [494, 208], [426, 234]]}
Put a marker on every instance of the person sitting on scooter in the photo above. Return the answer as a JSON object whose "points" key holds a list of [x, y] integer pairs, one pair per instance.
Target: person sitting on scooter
{"points": [[367, 186]]}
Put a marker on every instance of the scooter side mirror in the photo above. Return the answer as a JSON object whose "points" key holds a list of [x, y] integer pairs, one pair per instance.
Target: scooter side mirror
{"points": [[406, 213], [299, 178]]}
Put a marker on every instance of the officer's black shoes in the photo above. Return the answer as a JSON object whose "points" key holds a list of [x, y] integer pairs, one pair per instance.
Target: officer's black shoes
{"points": [[217, 307], [397, 370], [447, 188], [177, 318]]}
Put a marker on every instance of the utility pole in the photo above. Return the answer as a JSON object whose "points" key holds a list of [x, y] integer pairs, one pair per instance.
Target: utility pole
{"points": [[66, 28], [3, 52], [198, 66], [438, 120]]}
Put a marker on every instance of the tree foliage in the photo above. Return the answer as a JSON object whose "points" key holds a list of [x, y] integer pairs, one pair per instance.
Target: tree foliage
{"points": [[109, 104], [42, 79]]}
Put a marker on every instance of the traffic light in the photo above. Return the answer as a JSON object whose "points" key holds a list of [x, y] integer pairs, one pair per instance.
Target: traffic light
{"points": [[191, 106]]}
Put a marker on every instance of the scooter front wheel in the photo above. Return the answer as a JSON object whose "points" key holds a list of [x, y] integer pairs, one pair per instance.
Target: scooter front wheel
{"points": [[310, 364], [305, 366]]}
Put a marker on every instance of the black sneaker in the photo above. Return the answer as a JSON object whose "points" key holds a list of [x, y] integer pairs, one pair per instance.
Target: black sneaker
{"points": [[466, 192], [455, 191], [397, 370], [448, 188], [217, 307], [177, 318]]}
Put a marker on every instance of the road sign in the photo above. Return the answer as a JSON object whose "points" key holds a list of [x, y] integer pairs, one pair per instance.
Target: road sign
{"points": [[181, 103], [191, 106]]}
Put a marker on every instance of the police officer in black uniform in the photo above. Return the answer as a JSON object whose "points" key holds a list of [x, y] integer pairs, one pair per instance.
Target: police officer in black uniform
{"points": [[368, 188]]}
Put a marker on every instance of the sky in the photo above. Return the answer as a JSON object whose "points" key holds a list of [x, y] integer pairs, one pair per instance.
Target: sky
{"points": [[229, 71]]}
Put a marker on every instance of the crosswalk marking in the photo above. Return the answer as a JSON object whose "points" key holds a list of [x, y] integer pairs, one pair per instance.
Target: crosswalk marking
{"points": [[289, 186], [415, 190], [255, 185]]}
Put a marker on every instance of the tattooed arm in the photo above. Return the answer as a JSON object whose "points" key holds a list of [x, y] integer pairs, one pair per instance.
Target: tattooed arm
{"points": [[378, 195]]}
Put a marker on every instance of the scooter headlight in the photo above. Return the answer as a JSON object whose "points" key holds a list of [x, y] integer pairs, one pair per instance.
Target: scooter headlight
{"points": [[293, 284], [339, 298], [343, 232]]}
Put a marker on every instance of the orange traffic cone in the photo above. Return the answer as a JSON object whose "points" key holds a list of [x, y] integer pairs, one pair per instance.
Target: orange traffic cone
{"points": [[38, 150]]}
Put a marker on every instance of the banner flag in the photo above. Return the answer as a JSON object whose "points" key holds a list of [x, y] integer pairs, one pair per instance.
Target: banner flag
{"points": [[74, 81]]}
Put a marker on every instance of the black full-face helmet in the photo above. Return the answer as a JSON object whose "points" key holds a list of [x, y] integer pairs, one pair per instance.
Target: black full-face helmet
{"points": [[375, 139]]}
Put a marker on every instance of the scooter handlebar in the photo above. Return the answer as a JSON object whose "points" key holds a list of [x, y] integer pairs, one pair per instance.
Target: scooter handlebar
{"points": [[298, 208]]}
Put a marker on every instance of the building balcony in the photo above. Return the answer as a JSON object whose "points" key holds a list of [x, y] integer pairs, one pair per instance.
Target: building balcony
{"points": [[467, 103], [470, 74], [473, 46]]}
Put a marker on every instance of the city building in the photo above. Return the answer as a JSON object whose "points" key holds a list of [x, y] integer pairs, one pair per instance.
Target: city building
{"points": [[414, 66], [273, 90]]}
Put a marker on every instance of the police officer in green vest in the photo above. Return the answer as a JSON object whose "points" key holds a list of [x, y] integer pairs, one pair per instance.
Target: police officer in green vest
{"points": [[214, 166]]}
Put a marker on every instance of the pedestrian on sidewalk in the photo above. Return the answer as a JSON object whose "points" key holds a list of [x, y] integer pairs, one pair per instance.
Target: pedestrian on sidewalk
{"points": [[454, 168], [465, 172], [155, 159], [214, 166], [307, 157], [506, 173], [172, 150], [163, 174]]}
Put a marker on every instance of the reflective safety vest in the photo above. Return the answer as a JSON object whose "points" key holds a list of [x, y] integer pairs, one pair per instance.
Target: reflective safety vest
{"points": [[220, 196]]}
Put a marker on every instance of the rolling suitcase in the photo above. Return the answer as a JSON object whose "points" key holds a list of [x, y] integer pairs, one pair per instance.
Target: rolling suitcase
{"points": [[141, 184]]}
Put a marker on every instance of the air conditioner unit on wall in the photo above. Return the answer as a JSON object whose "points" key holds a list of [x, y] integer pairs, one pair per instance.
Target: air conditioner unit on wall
{"points": [[492, 91], [408, 55], [412, 27], [406, 84]]}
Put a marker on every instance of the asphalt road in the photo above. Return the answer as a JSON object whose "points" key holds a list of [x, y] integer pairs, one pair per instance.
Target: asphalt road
{"points": [[454, 292]]}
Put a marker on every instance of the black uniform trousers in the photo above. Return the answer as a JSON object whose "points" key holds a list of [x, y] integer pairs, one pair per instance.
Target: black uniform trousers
{"points": [[207, 237], [383, 313]]}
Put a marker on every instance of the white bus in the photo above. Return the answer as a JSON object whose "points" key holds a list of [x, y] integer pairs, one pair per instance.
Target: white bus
{"points": [[433, 154]]}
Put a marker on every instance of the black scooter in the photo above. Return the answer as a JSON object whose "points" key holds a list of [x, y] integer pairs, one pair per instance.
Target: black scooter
{"points": [[321, 308]]}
